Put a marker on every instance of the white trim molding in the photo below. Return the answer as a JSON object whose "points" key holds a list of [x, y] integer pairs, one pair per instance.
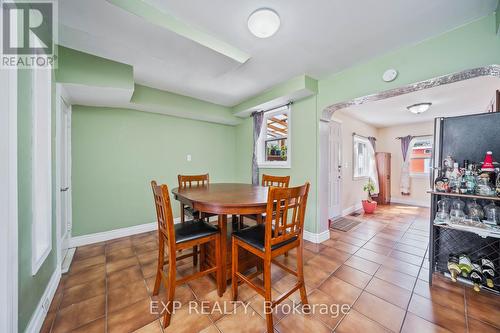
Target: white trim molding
{"points": [[352, 209], [410, 202], [8, 202], [316, 238], [113, 234], [42, 308]]}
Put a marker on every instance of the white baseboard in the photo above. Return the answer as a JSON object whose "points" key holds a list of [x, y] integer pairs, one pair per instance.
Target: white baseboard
{"points": [[352, 209], [405, 201], [316, 238], [42, 308], [113, 234]]}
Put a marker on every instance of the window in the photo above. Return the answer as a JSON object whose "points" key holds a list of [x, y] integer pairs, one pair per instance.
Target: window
{"points": [[274, 139], [420, 156], [361, 157], [41, 229]]}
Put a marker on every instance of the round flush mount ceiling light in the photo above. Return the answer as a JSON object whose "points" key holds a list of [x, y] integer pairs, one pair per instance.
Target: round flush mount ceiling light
{"points": [[390, 75], [419, 107], [263, 22]]}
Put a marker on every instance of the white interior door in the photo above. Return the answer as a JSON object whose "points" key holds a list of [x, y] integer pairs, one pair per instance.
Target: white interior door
{"points": [[65, 181], [335, 170]]}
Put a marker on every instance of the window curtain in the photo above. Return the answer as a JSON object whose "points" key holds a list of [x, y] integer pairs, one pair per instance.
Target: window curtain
{"points": [[257, 126], [372, 164], [404, 185]]}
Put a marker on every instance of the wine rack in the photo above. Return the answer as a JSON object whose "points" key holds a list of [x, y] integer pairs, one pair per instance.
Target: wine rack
{"points": [[447, 240]]}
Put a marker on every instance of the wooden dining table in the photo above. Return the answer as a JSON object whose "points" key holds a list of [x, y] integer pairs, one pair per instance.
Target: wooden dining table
{"points": [[224, 199]]}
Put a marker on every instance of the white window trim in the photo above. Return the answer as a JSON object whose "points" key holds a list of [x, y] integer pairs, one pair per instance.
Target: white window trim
{"points": [[419, 175], [261, 149], [37, 236], [367, 142]]}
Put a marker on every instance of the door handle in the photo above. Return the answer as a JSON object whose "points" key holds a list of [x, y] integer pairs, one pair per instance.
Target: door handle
{"points": [[64, 189]]}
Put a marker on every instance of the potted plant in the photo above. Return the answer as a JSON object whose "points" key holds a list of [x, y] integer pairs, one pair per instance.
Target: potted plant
{"points": [[283, 152], [369, 205]]}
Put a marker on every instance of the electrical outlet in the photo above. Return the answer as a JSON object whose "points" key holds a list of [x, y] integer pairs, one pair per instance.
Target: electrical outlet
{"points": [[188, 157]]}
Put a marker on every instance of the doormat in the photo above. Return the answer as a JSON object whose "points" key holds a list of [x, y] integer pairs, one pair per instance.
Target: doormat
{"points": [[343, 224], [355, 214]]}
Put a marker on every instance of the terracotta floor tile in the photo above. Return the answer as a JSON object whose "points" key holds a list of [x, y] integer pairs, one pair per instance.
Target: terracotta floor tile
{"points": [[152, 327], [413, 324], [450, 299], [118, 243], [253, 322], [313, 276], [410, 249], [352, 240], [353, 276], [335, 311], [124, 277], [202, 286], [372, 256], [210, 329], [437, 314], [97, 326], [381, 249], [119, 254], [297, 323], [258, 305], [182, 294], [334, 254], [383, 312], [145, 247], [355, 322], [131, 317], [389, 292], [397, 278], [149, 270], [406, 257], [483, 307], [402, 266], [340, 291], [82, 292], [324, 263], [80, 265], [79, 314], [92, 273], [121, 264], [148, 257], [123, 296], [346, 247], [87, 251], [362, 264], [477, 326]]}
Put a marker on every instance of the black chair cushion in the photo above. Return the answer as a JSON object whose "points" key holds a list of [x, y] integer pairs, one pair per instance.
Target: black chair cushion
{"points": [[190, 230], [255, 236]]}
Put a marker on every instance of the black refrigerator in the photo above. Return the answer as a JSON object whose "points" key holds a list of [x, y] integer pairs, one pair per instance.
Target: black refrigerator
{"points": [[463, 138]]}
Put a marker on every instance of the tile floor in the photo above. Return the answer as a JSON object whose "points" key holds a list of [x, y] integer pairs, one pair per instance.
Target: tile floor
{"points": [[379, 268]]}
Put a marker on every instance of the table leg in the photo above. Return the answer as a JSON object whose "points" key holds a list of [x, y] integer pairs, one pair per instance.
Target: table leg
{"points": [[223, 249]]}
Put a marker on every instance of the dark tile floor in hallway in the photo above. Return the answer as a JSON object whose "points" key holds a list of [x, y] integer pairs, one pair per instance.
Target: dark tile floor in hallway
{"points": [[380, 269]]}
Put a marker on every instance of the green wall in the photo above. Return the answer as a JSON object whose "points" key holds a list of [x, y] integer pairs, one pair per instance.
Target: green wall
{"points": [[473, 45], [117, 152], [303, 167], [31, 288]]}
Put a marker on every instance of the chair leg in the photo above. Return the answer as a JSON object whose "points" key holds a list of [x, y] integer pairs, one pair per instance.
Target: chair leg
{"points": [[170, 291], [218, 263], [300, 273], [159, 267], [234, 269], [267, 297], [182, 213], [203, 255], [195, 255]]}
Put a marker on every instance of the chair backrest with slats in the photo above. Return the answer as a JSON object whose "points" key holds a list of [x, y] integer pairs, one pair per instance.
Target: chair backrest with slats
{"points": [[285, 214], [186, 181], [164, 214], [276, 181]]}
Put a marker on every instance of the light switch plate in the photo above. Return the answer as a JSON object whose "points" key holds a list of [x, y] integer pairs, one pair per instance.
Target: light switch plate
{"points": [[188, 157]]}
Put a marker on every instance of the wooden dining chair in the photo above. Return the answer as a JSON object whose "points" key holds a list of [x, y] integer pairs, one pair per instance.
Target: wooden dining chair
{"points": [[282, 231], [267, 181], [174, 237], [190, 181]]}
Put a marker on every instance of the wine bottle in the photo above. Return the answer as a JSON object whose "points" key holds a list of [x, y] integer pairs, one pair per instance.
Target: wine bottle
{"points": [[476, 276], [465, 264], [453, 267], [488, 270]]}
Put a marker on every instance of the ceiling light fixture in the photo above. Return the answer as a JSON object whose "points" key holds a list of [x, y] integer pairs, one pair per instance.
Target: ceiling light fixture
{"points": [[263, 22], [419, 107]]}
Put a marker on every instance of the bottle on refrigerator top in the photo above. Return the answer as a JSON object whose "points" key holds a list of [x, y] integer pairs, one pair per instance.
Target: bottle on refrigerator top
{"points": [[476, 276], [465, 264], [441, 183], [453, 267], [488, 270]]}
